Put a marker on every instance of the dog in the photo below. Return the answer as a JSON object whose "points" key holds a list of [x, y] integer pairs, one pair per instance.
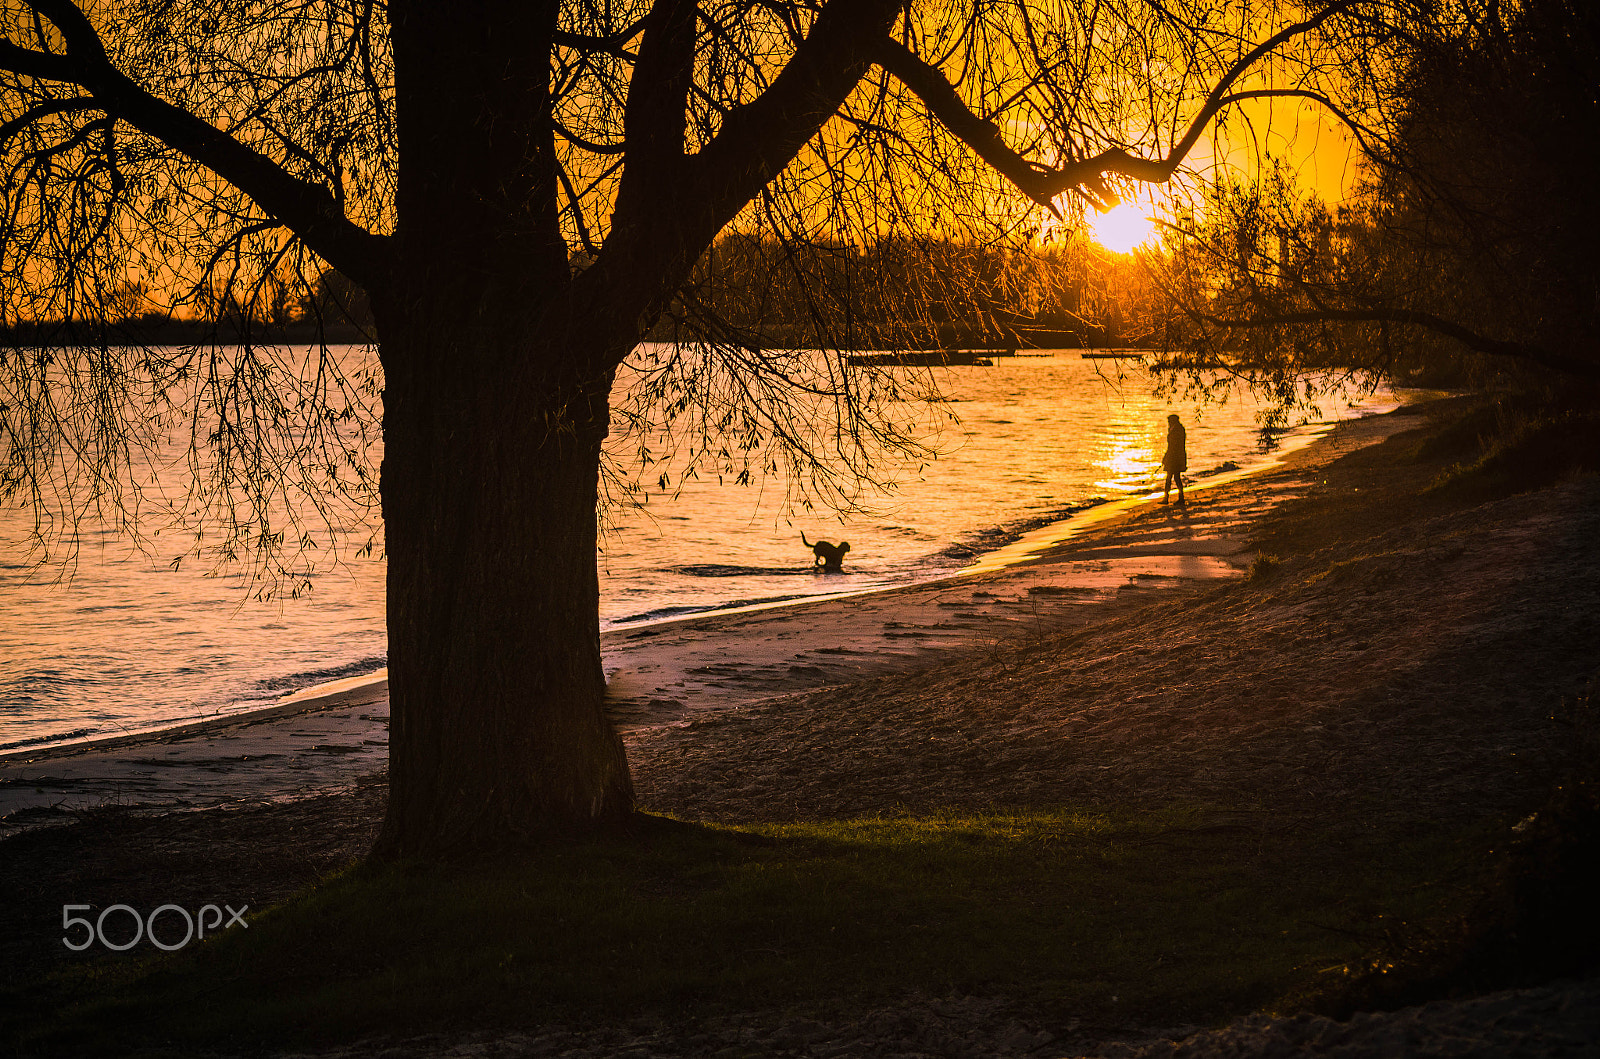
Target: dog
{"points": [[828, 556]]}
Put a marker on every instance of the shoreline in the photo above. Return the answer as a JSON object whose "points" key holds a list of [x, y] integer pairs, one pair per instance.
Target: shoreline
{"points": [[1026, 547], [1021, 545], [1028, 544], [677, 671], [307, 700]]}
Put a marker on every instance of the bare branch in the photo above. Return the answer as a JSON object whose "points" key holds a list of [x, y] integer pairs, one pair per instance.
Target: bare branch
{"points": [[759, 138], [310, 210], [1219, 93], [612, 44], [44, 110], [587, 145], [654, 121], [82, 40], [32, 63], [1043, 184], [1466, 336], [670, 206], [1364, 134]]}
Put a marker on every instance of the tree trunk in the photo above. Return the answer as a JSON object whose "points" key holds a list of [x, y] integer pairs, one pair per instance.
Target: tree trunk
{"points": [[497, 370], [495, 406], [498, 731]]}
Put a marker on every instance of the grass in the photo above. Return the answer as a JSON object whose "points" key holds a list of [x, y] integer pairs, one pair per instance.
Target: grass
{"points": [[1264, 565], [1168, 916], [1536, 919], [1526, 451]]}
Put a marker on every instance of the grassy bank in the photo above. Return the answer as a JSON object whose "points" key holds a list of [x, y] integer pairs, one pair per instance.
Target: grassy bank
{"points": [[1181, 915]]}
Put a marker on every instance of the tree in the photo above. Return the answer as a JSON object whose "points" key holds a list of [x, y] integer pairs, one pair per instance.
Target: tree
{"points": [[523, 190], [1487, 184], [1474, 231]]}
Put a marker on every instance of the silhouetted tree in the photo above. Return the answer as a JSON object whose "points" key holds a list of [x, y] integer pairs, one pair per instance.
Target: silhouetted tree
{"points": [[1475, 233], [523, 190], [335, 299]]}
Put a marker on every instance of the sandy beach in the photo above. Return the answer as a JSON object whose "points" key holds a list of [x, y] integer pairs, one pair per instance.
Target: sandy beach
{"points": [[1421, 674], [672, 677]]}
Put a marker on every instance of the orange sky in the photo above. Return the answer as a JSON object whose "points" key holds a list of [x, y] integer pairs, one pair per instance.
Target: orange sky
{"points": [[1315, 144]]}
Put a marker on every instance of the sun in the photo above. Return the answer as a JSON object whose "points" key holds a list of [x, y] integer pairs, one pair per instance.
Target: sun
{"points": [[1122, 228]]}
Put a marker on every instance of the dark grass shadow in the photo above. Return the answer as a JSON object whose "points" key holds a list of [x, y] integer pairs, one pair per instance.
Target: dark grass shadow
{"points": [[1157, 914], [1538, 919]]}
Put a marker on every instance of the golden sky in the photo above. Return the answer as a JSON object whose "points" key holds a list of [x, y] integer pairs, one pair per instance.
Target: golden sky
{"points": [[1315, 145]]}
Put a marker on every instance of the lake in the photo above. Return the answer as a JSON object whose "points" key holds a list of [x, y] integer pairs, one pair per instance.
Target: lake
{"points": [[121, 642]]}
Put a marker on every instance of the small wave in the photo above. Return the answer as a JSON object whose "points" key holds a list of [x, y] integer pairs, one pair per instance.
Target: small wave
{"points": [[718, 570], [54, 737], [907, 531], [312, 677], [993, 538], [1221, 468], [662, 613]]}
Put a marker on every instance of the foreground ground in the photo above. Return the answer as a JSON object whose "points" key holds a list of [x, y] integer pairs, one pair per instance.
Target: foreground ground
{"points": [[1216, 798]]}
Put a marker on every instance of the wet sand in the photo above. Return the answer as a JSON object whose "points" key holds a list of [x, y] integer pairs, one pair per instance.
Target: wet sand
{"points": [[669, 676]]}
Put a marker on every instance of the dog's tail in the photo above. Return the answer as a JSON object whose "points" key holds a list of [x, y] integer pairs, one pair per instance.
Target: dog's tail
{"points": [[803, 540]]}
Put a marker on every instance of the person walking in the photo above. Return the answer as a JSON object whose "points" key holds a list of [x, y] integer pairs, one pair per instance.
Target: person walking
{"points": [[1176, 460]]}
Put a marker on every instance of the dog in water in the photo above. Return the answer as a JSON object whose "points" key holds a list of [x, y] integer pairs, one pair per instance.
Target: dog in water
{"points": [[828, 556]]}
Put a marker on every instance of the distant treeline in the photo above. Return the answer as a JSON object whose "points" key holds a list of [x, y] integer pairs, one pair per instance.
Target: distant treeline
{"points": [[333, 310], [897, 293], [909, 293], [160, 329]]}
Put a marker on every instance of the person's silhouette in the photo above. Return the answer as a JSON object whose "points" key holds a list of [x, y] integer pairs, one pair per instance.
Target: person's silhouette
{"points": [[1176, 460]]}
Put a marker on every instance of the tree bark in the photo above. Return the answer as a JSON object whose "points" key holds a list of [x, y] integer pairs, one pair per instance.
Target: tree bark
{"points": [[495, 405], [497, 729], [498, 367]]}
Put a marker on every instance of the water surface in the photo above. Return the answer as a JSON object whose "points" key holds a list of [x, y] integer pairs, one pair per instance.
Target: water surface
{"points": [[123, 642]]}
